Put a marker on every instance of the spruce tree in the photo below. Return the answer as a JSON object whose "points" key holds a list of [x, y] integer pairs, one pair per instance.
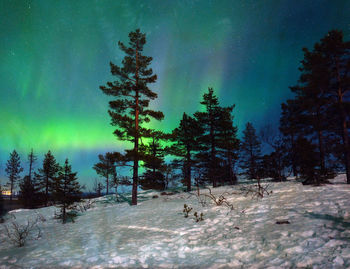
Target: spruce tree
{"points": [[66, 189], [209, 120], [2, 210], [129, 109], [153, 160], [250, 152], [228, 145], [46, 174], [13, 170], [31, 159], [185, 139]]}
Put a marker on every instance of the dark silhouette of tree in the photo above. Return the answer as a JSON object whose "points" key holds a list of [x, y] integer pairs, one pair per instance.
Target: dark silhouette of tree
{"points": [[228, 145], [2, 210], [29, 191], [31, 159], [13, 170], [250, 152], [153, 160], [129, 110], [66, 189], [333, 67], [98, 188], [185, 144], [105, 167], [46, 174], [209, 139]]}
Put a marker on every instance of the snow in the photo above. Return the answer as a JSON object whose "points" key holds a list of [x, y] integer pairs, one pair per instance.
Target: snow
{"points": [[156, 234]]}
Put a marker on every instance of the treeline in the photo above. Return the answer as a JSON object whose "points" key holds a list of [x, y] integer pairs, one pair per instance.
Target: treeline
{"points": [[312, 140], [52, 183], [315, 123]]}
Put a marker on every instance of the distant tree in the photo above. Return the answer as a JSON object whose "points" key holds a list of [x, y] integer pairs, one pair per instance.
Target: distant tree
{"points": [[98, 187], [250, 152], [67, 189], [46, 175], [129, 110], [185, 139], [274, 164], [105, 167], [31, 159], [29, 191], [153, 160], [13, 170]]}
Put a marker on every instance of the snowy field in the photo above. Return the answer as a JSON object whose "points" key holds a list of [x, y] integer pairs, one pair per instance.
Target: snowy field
{"points": [[155, 233]]}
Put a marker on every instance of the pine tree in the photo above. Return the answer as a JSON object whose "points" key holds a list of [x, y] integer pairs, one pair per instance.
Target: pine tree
{"points": [[129, 110], [13, 170], [185, 138], [29, 192], [333, 68], [209, 120], [31, 159], [46, 174], [66, 189], [105, 167], [228, 145], [250, 152], [153, 160]]}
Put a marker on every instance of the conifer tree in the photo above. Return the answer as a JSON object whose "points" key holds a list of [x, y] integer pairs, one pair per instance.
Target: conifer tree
{"points": [[333, 68], [31, 159], [105, 167], [13, 170], [153, 160], [129, 109], [250, 152], [67, 189], [228, 145], [46, 174], [185, 138], [209, 120], [29, 191]]}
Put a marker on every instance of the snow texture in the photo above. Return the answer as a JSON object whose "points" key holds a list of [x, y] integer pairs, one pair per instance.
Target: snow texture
{"points": [[155, 233]]}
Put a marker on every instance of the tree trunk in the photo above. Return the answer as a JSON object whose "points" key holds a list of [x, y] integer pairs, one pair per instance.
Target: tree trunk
{"points": [[11, 189], [136, 142], [345, 137]]}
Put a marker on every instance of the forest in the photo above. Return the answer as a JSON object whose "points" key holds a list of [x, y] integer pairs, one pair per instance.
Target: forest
{"points": [[311, 143]]}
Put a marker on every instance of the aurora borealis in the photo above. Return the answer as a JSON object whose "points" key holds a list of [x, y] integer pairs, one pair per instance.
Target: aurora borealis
{"points": [[56, 54]]}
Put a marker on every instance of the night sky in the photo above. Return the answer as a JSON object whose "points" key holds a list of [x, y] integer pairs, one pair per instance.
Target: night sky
{"points": [[54, 55]]}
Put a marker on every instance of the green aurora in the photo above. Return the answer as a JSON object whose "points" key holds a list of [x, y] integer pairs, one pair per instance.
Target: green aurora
{"points": [[56, 54]]}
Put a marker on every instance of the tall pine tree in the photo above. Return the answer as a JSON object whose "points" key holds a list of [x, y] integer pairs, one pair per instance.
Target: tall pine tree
{"points": [[13, 170], [129, 110]]}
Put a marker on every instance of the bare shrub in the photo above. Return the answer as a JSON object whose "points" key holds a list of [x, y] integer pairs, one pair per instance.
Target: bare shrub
{"points": [[18, 233], [257, 190], [221, 200], [198, 217]]}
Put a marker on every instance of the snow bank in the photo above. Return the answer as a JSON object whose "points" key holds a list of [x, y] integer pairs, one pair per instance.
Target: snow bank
{"points": [[155, 233]]}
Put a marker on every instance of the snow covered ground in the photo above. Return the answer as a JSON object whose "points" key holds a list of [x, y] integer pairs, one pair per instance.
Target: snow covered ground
{"points": [[155, 233]]}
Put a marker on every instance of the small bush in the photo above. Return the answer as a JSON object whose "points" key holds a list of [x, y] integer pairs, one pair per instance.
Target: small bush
{"points": [[198, 217], [18, 234]]}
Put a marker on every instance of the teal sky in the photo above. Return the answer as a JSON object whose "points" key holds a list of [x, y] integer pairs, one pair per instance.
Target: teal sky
{"points": [[55, 55]]}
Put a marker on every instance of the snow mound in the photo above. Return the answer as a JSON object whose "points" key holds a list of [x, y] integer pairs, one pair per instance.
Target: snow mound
{"points": [[155, 233]]}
